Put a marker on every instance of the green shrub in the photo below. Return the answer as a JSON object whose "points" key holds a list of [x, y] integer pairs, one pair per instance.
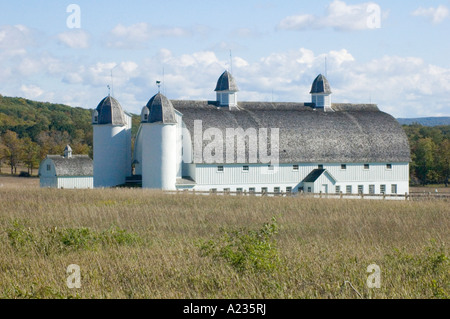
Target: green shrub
{"points": [[428, 269], [19, 236], [56, 240], [79, 238], [246, 250], [115, 235]]}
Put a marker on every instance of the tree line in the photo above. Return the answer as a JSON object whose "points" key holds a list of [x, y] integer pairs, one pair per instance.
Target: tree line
{"points": [[15, 151], [31, 130], [430, 154]]}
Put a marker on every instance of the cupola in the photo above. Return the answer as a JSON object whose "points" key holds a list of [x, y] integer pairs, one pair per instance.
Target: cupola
{"points": [[109, 111], [226, 90], [68, 152], [321, 93], [158, 110]]}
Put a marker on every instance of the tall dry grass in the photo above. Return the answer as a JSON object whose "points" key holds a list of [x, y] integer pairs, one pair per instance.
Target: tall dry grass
{"points": [[134, 243]]}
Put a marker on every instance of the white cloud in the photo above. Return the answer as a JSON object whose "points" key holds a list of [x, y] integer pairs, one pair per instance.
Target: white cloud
{"points": [[402, 86], [99, 74], [75, 39], [246, 33], [240, 62], [339, 15], [31, 64], [139, 34], [435, 15], [31, 91], [226, 46], [299, 22], [73, 78], [16, 37]]}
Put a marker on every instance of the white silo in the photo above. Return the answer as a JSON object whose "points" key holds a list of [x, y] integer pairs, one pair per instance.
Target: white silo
{"points": [[159, 144], [112, 144]]}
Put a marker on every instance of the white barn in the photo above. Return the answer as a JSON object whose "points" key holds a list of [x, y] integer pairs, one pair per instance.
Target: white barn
{"points": [[228, 145], [68, 171]]}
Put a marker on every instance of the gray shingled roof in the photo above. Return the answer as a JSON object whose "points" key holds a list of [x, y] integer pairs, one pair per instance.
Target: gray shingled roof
{"points": [[161, 110], [226, 82], [110, 112], [77, 165], [313, 176], [352, 134], [321, 85]]}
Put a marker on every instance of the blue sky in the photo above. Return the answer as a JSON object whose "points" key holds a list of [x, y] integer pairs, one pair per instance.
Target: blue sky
{"points": [[393, 53]]}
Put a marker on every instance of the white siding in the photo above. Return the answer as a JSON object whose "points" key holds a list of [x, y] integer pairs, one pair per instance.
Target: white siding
{"points": [[72, 182], [258, 175], [47, 178], [48, 182]]}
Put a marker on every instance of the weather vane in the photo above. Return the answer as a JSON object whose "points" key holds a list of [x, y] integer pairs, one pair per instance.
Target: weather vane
{"points": [[158, 83]]}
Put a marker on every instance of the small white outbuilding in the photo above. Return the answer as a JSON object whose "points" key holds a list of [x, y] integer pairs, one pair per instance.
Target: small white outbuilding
{"points": [[68, 171]]}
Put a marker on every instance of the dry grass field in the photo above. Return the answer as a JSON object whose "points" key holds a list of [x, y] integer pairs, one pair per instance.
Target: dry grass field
{"points": [[134, 243]]}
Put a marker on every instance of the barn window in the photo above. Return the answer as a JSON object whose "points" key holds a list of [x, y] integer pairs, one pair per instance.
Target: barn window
{"points": [[264, 190], [226, 190], [245, 168], [96, 119], [394, 188], [383, 189], [213, 190], [309, 189], [270, 167], [48, 167], [251, 190], [276, 189], [295, 167], [388, 166], [371, 189], [145, 117], [366, 166], [348, 189], [343, 166], [288, 189], [220, 168], [360, 189], [239, 190], [338, 189], [320, 166]]}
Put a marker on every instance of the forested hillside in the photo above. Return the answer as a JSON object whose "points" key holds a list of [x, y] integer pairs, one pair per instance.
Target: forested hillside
{"points": [[426, 121], [430, 153], [30, 130]]}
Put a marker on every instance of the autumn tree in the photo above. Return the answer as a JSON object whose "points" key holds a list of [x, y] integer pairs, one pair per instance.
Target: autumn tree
{"points": [[13, 148], [443, 161], [31, 154], [2, 154]]}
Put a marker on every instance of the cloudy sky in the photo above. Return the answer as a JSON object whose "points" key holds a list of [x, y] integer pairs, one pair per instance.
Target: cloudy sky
{"points": [[393, 53]]}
